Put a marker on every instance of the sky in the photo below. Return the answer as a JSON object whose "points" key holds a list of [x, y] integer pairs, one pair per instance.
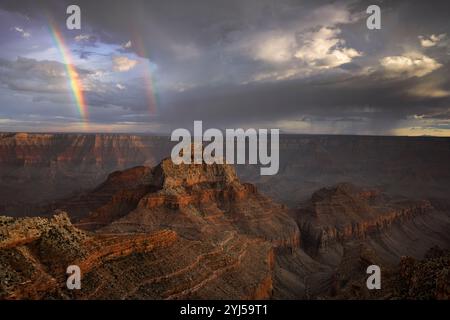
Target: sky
{"points": [[144, 66]]}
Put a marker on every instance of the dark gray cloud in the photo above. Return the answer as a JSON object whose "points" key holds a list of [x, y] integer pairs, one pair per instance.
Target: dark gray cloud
{"points": [[284, 63], [382, 102], [35, 76]]}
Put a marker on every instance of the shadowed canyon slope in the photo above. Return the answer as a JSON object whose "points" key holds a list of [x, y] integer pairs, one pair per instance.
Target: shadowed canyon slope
{"points": [[415, 167], [394, 226], [347, 228]]}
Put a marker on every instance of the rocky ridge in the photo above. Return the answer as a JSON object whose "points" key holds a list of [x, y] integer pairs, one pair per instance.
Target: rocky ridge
{"points": [[35, 253], [345, 212], [195, 200]]}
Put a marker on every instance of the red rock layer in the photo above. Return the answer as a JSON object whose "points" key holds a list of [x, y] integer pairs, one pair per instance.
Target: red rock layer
{"points": [[345, 212], [35, 253], [38, 168], [195, 200]]}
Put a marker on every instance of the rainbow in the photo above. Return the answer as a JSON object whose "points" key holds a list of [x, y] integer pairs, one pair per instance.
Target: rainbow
{"points": [[150, 83], [152, 97], [74, 80]]}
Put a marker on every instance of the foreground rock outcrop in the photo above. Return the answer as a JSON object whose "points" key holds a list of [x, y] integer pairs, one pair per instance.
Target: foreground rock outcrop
{"points": [[35, 252], [427, 278]]}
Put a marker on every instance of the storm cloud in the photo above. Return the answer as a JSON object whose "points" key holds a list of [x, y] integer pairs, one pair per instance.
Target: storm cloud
{"points": [[301, 66]]}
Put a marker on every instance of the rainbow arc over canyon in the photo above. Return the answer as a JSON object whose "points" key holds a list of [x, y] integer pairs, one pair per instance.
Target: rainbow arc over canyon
{"points": [[75, 83]]}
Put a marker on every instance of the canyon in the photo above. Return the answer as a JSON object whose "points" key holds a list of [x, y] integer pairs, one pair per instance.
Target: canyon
{"points": [[195, 232], [37, 168], [141, 227]]}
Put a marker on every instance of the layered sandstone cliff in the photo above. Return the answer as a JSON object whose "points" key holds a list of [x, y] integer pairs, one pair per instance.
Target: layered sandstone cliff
{"points": [[338, 216], [345, 212], [37, 168], [35, 252], [195, 200]]}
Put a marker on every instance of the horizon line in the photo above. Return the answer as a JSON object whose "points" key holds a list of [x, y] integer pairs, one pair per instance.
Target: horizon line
{"points": [[164, 134]]}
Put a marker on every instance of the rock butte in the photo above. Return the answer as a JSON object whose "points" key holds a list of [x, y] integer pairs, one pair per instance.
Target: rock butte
{"points": [[181, 232]]}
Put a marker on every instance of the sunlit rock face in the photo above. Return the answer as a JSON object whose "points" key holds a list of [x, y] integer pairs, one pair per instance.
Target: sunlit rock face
{"points": [[196, 200], [35, 252]]}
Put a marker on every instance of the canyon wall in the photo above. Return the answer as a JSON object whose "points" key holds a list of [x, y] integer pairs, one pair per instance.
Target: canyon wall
{"points": [[392, 226], [35, 252], [40, 168], [415, 167]]}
